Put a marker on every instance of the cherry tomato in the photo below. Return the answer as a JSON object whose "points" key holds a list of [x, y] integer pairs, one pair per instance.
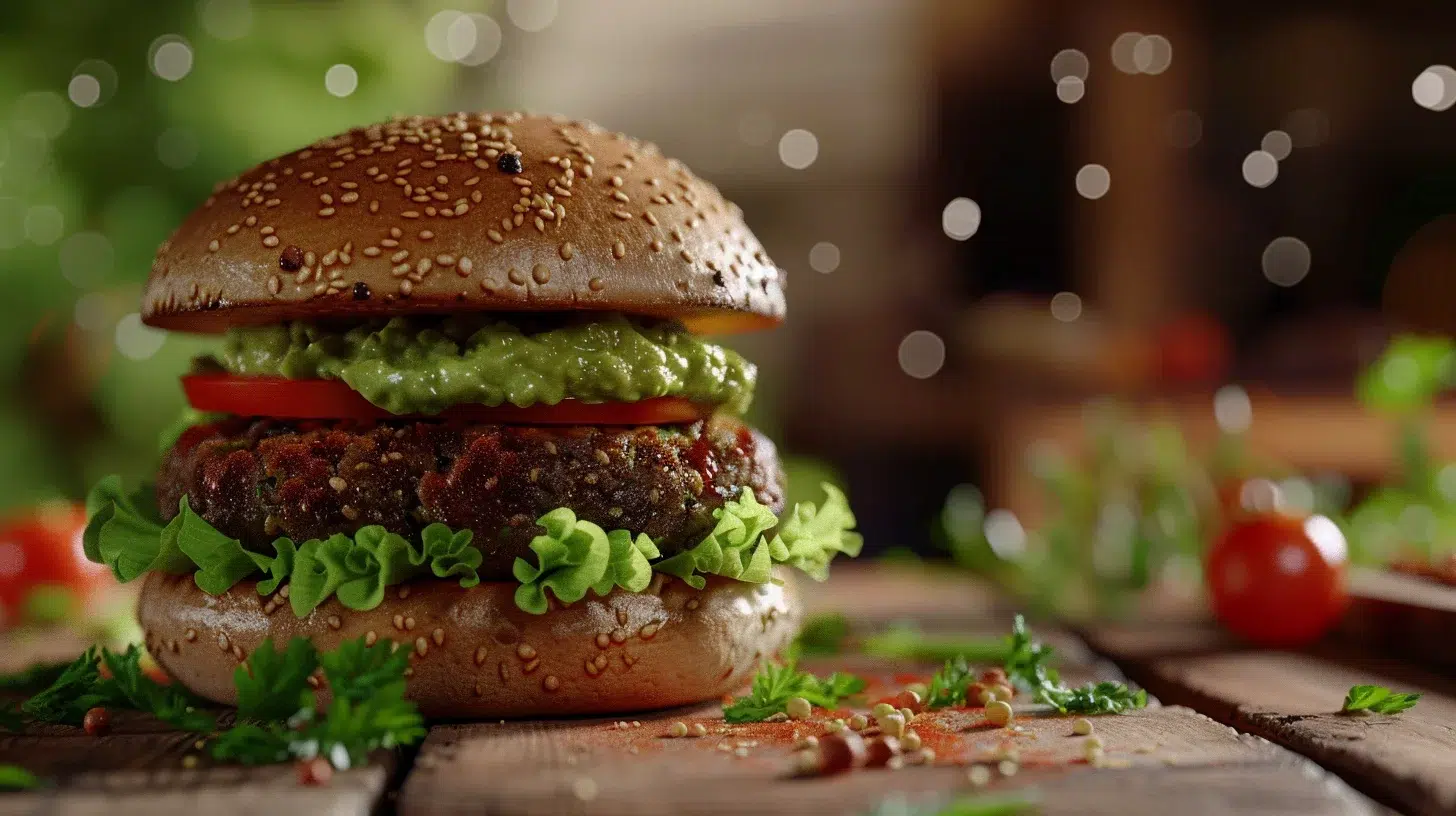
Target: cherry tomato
{"points": [[1193, 348], [1278, 580], [44, 575], [333, 399]]}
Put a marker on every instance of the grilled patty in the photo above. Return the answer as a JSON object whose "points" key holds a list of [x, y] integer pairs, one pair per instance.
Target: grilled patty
{"points": [[258, 479]]}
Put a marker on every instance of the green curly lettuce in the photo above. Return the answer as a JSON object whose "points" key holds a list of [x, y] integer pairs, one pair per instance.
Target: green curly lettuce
{"points": [[573, 556], [745, 543], [576, 555], [125, 535]]}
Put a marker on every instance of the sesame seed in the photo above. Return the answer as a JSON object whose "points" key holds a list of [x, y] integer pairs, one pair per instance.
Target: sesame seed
{"points": [[326, 212], [525, 651], [213, 245], [372, 252], [445, 260], [399, 256], [400, 270], [337, 483], [540, 224], [480, 656], [270, 241], [426, 235], [541, 274], [656, 245], [303, 275], [515, 276], [410, 214], [374, 206], [650, 218], [566, 251], [421, 646], [370, 638], [466, 265], [334, 621], [551, 683], [622, 214], [424, 266], [621, 196], [233, 229], [250, 221], [596, 284]]}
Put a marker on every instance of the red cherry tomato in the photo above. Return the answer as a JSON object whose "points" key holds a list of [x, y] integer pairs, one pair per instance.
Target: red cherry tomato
{"points": [[1194, 348], [44, 575], [1278, 580], [332, 399]]}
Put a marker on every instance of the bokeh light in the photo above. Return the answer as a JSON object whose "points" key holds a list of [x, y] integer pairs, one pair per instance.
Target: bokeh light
{"points": [[1185, 129], [961, 218], [170, 57], [922, 354], [84, 90], [1232, 409], [824, 257], [1122, 51], [1152, 54], [531, 15], [41, 114], [225, 19], [1069, 63], [798, 148], [341, 80], [1005, 534], [1260, 168], [1435, 88], [136, 340], [473, 39], [44, 224], [1277, 144], [437, 32], [86, 258], [1071, 90], [1093, 181], [1286, 261], [1066, 306]]}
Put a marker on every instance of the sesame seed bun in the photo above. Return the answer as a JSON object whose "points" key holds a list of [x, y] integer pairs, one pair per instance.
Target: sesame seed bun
{"points": [[475, 654], [466, 212]]}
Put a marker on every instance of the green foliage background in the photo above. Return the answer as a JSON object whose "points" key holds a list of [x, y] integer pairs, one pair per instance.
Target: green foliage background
{"points": [[72, 408]]}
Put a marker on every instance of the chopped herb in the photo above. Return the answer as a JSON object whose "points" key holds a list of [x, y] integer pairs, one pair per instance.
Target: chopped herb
{"points": [[129, 686], [1026, 668], [776, 683], [14, 777], [76, 690], [1379, 699], [368, 711], [948, 686], [824, 634], [272, 685]]}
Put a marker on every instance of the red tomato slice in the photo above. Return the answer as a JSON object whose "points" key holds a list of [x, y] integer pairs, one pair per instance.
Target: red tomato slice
{"points": [[332, 399], [1278, 580]]}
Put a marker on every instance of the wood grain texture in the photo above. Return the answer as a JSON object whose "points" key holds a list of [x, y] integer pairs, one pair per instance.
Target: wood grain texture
{"points": [[1155, 758], [1402, 615], [1407, 761]]}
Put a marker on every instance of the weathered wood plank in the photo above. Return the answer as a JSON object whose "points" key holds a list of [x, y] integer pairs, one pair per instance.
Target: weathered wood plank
{"points": [[1408, 761], [1402, 615]]}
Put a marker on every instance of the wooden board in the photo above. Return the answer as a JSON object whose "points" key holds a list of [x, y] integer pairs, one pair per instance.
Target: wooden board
{"points": [[1408, 761], [1412, 618]]}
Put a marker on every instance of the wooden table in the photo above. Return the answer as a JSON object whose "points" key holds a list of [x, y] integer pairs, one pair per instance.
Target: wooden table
{"points": [[1232, 731]]}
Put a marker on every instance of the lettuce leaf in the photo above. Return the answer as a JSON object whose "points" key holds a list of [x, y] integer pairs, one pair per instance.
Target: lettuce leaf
{"points": [[573, 556]]}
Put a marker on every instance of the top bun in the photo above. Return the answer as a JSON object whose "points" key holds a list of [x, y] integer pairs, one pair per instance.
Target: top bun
{"points": [[500, 212]]}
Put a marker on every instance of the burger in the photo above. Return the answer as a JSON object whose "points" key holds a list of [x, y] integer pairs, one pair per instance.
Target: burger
{"points": [[463, 401]]}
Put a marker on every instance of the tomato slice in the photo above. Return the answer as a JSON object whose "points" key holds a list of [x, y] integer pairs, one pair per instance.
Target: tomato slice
{"points": [[332, 399]]}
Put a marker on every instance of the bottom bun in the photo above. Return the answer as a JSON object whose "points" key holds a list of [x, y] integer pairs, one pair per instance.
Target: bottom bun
{"points": [[473, 653]]}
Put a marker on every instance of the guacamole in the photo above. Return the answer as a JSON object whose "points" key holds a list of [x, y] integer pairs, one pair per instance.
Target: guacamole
{"points": [[422, 365]]}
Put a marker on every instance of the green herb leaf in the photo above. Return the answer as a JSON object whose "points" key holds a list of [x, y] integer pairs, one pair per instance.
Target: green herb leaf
{"points": [[948, 685], [74, 692], [14, 777], [273, 686], [131, 687], [776, 683], [1026, 667], [1378, 699]]}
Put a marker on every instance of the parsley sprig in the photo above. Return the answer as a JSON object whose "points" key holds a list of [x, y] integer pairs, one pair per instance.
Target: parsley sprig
{"points": [[1379, 699], [1026, 667], [279, 718], [776, 683]]}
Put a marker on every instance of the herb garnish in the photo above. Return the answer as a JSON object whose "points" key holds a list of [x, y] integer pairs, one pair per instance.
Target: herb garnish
{"points": [[1378, 699], [1026, 667], [823, 634], [776, 683], [14, 777], [279, 718]]}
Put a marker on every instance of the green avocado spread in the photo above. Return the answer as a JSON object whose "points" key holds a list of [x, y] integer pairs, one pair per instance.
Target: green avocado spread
{"points": [[423, 366]]}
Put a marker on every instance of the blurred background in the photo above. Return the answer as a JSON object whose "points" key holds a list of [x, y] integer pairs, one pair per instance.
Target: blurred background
{"points": [[1068, 279]]}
